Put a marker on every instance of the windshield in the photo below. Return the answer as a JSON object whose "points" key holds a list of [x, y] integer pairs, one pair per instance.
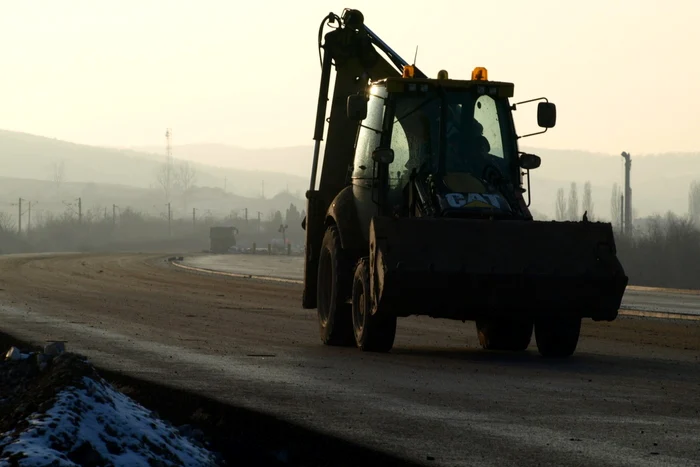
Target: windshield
{"points": [[475, 134]]}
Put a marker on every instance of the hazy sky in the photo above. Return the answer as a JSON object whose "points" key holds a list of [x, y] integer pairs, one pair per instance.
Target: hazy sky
{"points": [[623, 73]]}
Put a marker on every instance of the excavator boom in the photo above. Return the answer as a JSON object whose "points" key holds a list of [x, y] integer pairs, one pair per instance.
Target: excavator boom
{"points": [[353, 49]]}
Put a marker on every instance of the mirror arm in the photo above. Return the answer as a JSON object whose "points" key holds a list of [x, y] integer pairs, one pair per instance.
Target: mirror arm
{"points": [[529, 187], [530, 100], [533, 134]]}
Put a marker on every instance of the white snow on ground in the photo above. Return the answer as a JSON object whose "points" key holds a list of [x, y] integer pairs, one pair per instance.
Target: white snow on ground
{"points": [[120, 430]]}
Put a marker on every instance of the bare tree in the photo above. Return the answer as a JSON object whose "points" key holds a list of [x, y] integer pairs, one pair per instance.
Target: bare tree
{"points": [[615, 208], [694, 202], [587, 203], [58, 175], [165, 175], [560, 205], [185, 178], [6, 222], [573, 202]]}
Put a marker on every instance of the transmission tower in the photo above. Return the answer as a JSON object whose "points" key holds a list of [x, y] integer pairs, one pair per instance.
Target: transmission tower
{"points": [[168, 144]]}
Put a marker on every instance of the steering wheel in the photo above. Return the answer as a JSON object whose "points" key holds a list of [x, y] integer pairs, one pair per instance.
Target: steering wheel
{"points": [[492, 173]]}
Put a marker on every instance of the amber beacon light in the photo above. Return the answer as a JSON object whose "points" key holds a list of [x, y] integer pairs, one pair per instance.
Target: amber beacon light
{"points": [[480, 74]]}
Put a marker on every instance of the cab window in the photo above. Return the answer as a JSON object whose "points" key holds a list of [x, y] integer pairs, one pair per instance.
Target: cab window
{"points": [[369, 135]]}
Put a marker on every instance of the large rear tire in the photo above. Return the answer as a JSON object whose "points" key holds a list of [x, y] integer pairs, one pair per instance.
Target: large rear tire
{"points": [[557, 337], [373, 333], [508, 335], [333, 291]]}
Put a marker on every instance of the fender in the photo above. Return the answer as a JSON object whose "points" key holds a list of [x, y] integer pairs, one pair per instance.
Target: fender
{"points": [[343, 213]]}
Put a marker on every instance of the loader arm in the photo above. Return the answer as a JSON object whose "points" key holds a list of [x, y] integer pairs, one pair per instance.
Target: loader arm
{"points": [[353, 50]]}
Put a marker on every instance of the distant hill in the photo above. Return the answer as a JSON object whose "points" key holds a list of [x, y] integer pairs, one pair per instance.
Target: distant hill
{"points": [[660, 182], [32, 157], [294, 160]]}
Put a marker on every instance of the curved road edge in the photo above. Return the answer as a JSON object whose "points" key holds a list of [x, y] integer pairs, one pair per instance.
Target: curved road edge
{"points": [[625, 310]]}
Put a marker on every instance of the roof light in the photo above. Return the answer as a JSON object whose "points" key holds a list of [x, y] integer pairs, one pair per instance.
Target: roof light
{"points": [[480, 74], [408, 71], [442, 74]]}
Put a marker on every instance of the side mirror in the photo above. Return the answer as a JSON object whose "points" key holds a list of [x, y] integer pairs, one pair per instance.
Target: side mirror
{"points": [[530, 161], [357, 107], [546, 114], [383, 155]]}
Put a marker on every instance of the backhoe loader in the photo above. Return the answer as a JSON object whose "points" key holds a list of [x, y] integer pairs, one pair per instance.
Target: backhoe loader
{"points": [[419, 209]]}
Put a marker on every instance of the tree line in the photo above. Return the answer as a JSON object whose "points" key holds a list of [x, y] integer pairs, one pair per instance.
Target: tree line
{"points": [[104, 229], [570, 209], [661, 250]]}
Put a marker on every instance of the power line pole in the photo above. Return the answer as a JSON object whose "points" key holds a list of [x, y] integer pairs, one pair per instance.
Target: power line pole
{"points": [[19, 223], [283, 229], [29, 216], [170, 217], [168, 175]]}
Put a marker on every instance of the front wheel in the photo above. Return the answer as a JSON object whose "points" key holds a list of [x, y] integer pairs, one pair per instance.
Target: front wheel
{"points": [[557, 337], [334, 279], [373, 332]]}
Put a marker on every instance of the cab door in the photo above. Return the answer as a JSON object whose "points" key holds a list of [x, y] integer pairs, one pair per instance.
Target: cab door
{"points": [[364, 181]]}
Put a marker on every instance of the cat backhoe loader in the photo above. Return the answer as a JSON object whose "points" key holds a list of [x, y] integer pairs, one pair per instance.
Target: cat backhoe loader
{"points": [[419, 209]]}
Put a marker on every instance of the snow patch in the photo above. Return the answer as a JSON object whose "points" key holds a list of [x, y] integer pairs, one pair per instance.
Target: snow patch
{"points": [[97, 425]]}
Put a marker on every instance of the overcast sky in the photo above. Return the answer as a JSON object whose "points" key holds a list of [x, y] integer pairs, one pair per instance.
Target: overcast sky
{"points": [[623, 73]]}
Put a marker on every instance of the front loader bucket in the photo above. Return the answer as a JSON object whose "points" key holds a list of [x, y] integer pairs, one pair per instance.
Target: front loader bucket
{"points": [[470, 269]]}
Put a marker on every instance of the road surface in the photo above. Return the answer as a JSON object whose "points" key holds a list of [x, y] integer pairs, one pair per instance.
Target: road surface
{"points": [[644, 299], [630, 395]]}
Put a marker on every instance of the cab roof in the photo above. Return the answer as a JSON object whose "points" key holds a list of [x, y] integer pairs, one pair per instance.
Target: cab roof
{"points": [[492, 88]]}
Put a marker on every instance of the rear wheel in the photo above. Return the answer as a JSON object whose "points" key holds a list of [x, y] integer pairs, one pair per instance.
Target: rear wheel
{"points": [[373, 332], [333, 291], [557, 337], [509, 335]]}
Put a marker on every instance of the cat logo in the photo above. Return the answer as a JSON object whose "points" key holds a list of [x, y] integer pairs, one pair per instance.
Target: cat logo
{"points": [[473, 200]]}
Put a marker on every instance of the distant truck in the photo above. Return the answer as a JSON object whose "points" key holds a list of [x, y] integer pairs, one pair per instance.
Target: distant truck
{"points": [[222, 239]]}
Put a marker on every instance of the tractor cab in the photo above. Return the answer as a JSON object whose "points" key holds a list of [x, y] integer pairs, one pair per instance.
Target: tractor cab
{"points": [[454, 138]]}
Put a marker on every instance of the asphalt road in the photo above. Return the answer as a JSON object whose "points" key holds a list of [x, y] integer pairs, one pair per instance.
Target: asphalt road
{"points": [[630, 395]]}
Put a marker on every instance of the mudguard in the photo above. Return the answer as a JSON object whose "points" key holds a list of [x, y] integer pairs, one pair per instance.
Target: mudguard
{"points": [[344, 214], [471, 269]]}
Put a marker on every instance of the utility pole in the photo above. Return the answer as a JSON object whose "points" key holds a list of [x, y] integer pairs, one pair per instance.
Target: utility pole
{"points": [[29, 216], [628, 193], [170, 229], [283, 229], [19, 223]]}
